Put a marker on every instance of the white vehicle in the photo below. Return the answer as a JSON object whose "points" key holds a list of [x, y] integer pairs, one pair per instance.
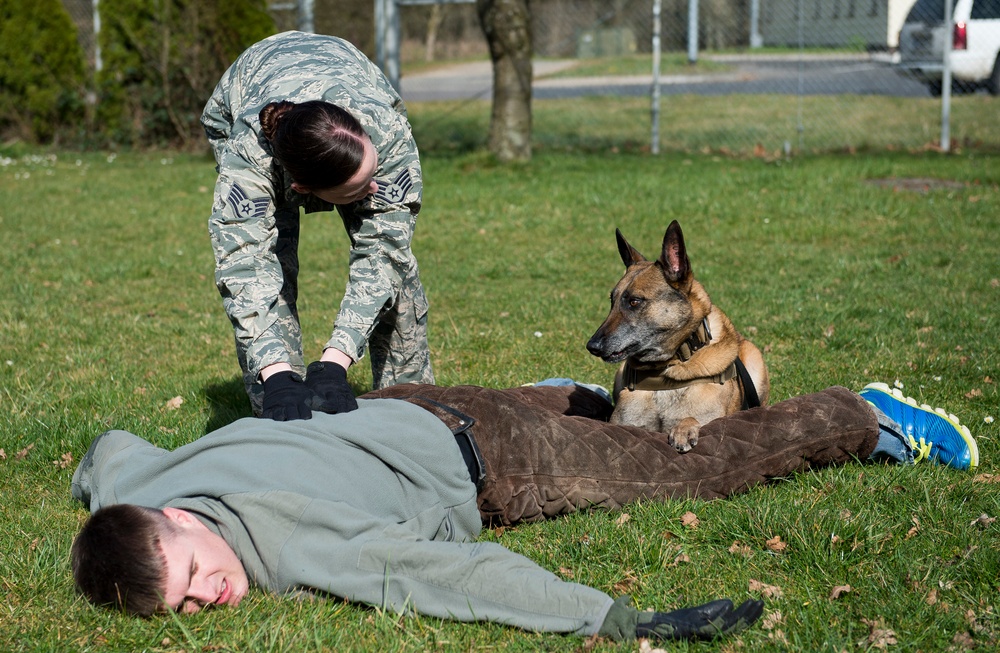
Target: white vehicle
{"points": [[975, 54]]}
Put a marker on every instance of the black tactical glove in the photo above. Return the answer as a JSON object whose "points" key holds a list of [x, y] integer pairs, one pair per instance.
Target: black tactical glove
{"points": [[330, 392], [286, 397], [700, 622]]}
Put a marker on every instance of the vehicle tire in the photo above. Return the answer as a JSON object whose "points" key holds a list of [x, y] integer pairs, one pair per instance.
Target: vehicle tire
{"points": [[993, 83], [934, 88]]}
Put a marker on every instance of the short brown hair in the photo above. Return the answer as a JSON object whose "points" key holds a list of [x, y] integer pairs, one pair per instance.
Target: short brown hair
{"points": [[117, 559]]}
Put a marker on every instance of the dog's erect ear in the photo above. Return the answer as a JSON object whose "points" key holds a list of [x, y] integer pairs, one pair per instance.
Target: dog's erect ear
{"points": [[674, 259], [628, 253]]}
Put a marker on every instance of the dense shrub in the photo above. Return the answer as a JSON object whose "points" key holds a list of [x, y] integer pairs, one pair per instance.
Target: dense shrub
{"points": [[41, 72], [162, 59]]}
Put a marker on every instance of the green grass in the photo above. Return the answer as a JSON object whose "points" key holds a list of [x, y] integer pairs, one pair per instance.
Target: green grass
{"points": [[748, 125], [109, 311]]}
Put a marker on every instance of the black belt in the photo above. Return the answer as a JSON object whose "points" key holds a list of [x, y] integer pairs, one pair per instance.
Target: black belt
{"points": [[470, 454], [460, 426]]}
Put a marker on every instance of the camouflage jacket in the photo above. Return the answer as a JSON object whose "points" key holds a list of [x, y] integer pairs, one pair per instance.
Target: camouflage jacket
{"points": [[253, 194]]}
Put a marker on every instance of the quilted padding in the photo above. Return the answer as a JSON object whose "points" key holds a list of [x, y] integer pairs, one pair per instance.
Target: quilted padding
{"points": [[549, 450]]}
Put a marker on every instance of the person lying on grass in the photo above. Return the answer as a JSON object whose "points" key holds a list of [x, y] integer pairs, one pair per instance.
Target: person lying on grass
{"points": [[382, 505]]}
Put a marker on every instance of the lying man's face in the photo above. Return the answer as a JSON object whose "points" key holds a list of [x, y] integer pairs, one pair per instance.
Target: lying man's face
{"points": [[202, 568]]}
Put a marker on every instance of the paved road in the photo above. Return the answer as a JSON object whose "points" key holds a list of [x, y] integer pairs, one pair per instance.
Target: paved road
{"points": [[823, 75]]}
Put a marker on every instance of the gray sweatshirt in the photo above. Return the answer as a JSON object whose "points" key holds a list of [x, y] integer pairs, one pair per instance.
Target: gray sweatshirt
{"points": [[374, 506]]}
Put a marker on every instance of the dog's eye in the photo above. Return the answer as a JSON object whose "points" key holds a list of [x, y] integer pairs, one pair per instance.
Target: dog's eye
{"points": [[634, 302]]}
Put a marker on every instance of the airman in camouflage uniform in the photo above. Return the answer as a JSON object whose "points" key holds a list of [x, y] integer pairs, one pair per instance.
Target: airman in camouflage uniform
{"points": [[254, 225]]}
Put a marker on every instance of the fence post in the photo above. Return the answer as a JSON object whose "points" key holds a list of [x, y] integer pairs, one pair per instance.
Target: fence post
{"points": [[756, 40], [946, 79], [654, 146], [306, 23], [692, 31], [98, 63]]}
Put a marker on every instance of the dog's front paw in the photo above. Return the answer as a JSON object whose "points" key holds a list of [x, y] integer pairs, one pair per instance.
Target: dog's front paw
{"points": [[684, 436]]}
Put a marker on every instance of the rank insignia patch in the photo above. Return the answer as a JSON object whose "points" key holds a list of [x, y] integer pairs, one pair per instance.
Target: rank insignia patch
{"points": [[393, 192], [244, 207]]}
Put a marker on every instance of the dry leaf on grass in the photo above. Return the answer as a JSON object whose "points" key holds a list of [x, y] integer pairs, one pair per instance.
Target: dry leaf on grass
{"points": [[623, 519], [982, 520], [566, 572], [175, 403], [64, 461], [931, 597], [739, 548], [914, 529], [690, 520], [625, 585], [878, 635], [771, 620], [23, 453], [778, 636], [3, 455], [838, 591], [776, 545], [681, 557], [963, 640], [770, 591], [646, 647]]}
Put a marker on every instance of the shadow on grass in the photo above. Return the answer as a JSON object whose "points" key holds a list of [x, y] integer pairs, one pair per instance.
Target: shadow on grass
{"points": [[228, 401]]}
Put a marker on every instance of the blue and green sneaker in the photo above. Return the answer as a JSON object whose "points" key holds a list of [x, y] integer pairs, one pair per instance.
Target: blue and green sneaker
{"points": [[933, 433]]}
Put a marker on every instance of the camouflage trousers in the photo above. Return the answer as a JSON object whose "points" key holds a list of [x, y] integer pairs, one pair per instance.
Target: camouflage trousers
{"points": [[397, 347]]}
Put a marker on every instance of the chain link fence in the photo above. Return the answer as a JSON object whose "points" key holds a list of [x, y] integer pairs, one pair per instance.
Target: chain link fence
{"points": [[760, 77], [767, 77]]}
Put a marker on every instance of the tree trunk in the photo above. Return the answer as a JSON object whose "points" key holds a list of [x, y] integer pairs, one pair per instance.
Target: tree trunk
{"points": [[507, 26], [433, 24]]}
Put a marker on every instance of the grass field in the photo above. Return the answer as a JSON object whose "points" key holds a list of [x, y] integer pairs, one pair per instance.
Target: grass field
{"points": [[761, 126], [844, 269]]}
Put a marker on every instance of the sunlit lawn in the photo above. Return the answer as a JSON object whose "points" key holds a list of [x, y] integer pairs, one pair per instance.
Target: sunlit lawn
{"points": [[109, 314]]}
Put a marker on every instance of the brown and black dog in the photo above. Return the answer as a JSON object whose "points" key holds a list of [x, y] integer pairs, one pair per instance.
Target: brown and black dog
{"points": [[684, 363]]}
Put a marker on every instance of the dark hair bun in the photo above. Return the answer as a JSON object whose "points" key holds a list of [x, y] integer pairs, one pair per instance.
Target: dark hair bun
{"points": [[270, 117]]}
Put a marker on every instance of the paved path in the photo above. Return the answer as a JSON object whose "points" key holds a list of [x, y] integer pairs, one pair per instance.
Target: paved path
{"points": [[467, 80], [751, 74]]}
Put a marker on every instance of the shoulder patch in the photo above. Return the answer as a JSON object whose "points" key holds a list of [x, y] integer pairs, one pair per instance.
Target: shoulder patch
{"points": [[244, 207], [394, 191]]}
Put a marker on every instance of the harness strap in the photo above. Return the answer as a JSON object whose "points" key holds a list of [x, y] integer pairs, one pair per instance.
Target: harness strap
{"points": [[750, 398], [654, 380]]}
